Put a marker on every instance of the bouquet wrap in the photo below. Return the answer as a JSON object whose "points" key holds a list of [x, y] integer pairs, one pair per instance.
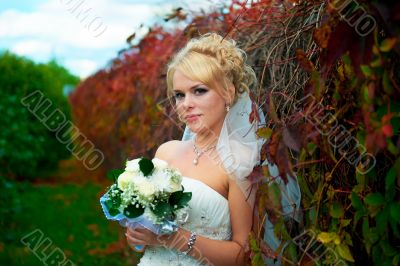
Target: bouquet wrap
{"points": [[130, 203]]}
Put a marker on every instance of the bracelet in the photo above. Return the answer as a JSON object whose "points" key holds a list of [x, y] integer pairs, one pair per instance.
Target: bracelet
{"points": [[190, 243]]}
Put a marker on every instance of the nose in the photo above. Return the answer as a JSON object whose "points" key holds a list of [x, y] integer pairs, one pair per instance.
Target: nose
{"points": [[187, 101]]}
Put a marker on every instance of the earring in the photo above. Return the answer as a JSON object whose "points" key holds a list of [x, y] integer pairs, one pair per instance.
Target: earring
{"points": [[227, 107]]}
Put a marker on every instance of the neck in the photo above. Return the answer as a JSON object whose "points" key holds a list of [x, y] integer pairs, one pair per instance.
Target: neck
{"points": [[207, 139]]}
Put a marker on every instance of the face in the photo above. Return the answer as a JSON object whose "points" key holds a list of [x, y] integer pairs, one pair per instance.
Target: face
{"points": [[200, 107]]}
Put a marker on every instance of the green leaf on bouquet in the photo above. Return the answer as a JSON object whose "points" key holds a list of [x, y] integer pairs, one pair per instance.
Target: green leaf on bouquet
{"points": [[163, 209], [114, 174], [146, 166], [180, 199], [111, 208], [116, 201], [132, 211]]}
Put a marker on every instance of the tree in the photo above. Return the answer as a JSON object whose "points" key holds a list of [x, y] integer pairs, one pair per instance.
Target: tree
{"points": [[27, 148]]}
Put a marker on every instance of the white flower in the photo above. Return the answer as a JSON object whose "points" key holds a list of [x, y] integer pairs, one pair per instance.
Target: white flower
{"points": [[145, 187], [165, 183], [125, 180], [133, 166], [175, 187], [159, 164]]}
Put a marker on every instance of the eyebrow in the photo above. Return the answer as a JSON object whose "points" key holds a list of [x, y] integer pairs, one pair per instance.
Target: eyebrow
{"points": [[191, 88]]}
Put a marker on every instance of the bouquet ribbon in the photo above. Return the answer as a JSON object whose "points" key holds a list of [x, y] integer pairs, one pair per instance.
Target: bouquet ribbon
{"points": [[167, 227]]}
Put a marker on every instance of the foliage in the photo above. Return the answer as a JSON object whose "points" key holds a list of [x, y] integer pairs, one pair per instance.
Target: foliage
{"points": [[122, 109], [341, 125], [68, 215], [331, 96], [27, 148]]}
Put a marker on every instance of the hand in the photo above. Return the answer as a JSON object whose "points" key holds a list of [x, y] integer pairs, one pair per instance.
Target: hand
{"points": [[143, 236]]}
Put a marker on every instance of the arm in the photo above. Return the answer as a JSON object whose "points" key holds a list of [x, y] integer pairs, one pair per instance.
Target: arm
{"points": [[220, 252], [216, 252]]}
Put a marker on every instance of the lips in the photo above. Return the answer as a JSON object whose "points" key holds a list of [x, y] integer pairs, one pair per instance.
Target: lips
{"points": [[191, 117]]}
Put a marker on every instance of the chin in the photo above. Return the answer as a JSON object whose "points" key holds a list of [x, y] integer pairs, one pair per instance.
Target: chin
{"points": [[196, 127]]}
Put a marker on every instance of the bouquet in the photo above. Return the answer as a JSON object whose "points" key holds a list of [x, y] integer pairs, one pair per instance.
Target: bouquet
{"points": [[147, 194]]}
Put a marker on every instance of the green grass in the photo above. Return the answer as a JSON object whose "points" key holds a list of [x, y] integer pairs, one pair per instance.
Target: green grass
{"points": [[70, 216]]}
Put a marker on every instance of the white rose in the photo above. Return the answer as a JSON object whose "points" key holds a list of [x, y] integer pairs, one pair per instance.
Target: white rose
{"points": [[164, 182], [125, 180], [175, 187], [161, 180], [159, 164], [146, 188], [133, 166]]}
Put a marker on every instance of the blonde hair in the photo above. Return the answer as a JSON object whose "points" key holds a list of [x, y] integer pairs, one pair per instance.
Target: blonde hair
{"points": [[207, 59]]}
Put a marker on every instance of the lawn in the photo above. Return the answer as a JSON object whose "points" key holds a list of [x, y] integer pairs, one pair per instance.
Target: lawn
{"points": [[67, 218]]}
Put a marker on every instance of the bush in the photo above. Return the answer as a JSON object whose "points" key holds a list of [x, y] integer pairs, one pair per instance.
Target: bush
{"points": [[27, 148]]}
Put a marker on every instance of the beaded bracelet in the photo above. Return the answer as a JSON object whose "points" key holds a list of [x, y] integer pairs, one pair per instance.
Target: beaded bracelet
{"points": [[190, 243]]}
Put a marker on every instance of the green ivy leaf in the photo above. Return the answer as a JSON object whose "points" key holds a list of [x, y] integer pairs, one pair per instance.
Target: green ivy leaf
{"points": [[381, 220], [390, 178], [387, 84], [132, 211], [395, 211], [253, 245], [326, 237], [367, 71], [356, 201], [374, 199], [146, 166], [344, 252], [257, 260], [345, 222], [336, 210], [114, 174], [396, 260], [264, 132], [387, 44]]}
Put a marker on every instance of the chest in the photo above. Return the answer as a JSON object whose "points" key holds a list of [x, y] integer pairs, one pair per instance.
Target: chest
{"points": [[207, 170]]}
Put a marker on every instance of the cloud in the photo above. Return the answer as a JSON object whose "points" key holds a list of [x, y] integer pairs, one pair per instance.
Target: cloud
{"points": [[83, 66], [83, 34], [31, 47], [58, 29]]}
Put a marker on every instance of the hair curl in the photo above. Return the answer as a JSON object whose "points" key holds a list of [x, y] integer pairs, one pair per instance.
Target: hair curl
{"points": [[210, 57]]}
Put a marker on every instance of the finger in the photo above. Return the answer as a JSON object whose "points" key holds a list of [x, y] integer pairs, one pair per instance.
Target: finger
{"points": [[137, 234], [142, 230], [134, 241]]}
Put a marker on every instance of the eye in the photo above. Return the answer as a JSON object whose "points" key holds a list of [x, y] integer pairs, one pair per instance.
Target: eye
{"points": [[178, 96], [200, 91]]}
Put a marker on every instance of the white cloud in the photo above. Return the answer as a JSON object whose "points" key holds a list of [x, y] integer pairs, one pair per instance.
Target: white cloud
{"points": [[54, 29], [84, 67], [39, 48]]}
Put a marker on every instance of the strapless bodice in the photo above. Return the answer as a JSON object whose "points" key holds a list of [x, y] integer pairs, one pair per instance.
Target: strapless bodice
{"points": [[209, 216]]}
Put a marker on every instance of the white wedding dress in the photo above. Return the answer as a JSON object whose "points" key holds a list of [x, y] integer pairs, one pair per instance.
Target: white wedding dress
{"points": [[208, 216]]}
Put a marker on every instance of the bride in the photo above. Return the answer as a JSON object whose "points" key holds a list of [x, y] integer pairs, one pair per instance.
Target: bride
{"points": [[208, 82]]}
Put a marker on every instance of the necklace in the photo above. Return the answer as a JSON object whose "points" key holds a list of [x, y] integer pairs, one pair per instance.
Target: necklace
{"points": [[199, 152]]}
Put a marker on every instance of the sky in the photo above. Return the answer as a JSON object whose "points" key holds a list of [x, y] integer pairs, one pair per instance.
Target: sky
{"points": [[81, 35]]}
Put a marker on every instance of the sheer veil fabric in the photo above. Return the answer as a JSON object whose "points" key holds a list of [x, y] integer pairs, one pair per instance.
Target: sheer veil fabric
{"points": [[239, 149], [238, 146]]}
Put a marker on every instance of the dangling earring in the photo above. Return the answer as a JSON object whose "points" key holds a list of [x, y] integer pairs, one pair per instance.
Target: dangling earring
{"points": [[227, 107]]}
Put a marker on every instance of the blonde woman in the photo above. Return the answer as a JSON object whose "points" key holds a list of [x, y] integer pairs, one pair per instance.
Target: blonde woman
{"points": [[208, 82]]}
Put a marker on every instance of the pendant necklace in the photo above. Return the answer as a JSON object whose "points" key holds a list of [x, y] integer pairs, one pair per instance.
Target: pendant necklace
{"points": [[199, 152]]}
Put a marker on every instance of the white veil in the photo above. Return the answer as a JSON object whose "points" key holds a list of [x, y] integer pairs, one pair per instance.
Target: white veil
{"points": [[238, 145], [239, 150]]}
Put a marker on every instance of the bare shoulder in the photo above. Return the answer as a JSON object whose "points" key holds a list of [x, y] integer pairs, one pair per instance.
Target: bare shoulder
{"points": [[165, 150]]}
